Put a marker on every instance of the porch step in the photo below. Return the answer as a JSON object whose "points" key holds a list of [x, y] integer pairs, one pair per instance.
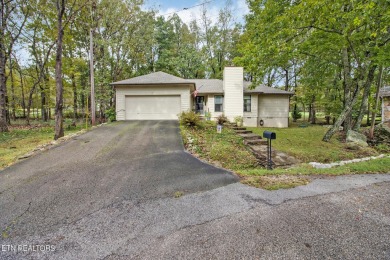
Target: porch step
{"points": [[243, 131], [250, 136], [238, 128], [256, 142]]}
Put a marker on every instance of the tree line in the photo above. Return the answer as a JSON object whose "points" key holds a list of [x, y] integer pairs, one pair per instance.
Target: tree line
{"points": [[334, 54], [128, 41]]}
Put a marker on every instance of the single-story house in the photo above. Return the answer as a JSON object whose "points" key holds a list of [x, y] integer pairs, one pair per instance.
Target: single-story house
{"points": [[384, 93], [161, 96]]}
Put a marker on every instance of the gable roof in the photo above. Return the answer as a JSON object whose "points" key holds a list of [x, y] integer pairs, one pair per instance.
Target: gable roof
{"points": [[208, 85], [261, 89], [204, 86], [153, 79], [215, 86]]}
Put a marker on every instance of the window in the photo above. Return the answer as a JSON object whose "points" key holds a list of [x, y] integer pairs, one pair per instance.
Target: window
{"points": [[218, 100], [247, 103]]}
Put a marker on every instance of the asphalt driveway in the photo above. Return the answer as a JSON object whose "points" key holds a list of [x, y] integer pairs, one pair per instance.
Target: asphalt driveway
{"points": [[109, 194]]}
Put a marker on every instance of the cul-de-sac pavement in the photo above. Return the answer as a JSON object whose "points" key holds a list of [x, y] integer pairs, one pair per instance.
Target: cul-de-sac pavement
{"points": [[129, 190]]}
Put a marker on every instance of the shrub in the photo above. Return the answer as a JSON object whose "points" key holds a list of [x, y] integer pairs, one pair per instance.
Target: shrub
{"points": [[222, 119], [111, 114], [296, 114], [190, 119], [239, 119]]}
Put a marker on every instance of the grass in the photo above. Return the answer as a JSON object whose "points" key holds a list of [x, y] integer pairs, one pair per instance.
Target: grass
{"points": [[381, 165], [306, 144], [228, 151], [224, 149], [23, 139], [273, 182]]}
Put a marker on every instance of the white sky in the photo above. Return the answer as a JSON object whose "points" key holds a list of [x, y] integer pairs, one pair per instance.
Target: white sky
{"points": [[239, 9]]}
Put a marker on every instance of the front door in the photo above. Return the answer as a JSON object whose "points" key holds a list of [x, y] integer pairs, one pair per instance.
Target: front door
{"points": [[199, 105]]}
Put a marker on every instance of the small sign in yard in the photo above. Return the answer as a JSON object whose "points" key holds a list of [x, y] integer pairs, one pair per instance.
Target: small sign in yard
{"points": [[219, 129]]}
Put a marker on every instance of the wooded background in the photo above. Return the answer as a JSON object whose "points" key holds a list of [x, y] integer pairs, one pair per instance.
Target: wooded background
{"points": [[334, 54]]}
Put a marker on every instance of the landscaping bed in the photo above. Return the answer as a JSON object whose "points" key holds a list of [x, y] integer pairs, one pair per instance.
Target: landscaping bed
{"points": [[225, 150]]}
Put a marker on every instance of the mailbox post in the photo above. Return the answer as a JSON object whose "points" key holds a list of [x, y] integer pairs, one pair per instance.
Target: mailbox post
{"points": [[269, 135]]}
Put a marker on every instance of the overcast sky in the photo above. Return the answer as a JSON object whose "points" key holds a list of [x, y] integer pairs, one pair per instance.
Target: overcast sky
{"points": [[167, 7]]}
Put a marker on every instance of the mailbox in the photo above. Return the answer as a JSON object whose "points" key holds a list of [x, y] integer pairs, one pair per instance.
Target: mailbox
{"points": [[269, 135]]}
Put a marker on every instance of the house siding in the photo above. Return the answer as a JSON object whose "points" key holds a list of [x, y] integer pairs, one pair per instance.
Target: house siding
{"points": [[234, 92], [274, 110], [386, 110], [161, 90], [210, 106], [250, 118]]}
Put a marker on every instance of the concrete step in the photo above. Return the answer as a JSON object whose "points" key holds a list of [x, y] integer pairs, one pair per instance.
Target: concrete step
{"points": [[238, 128], [256, 142], [250, 136], [243, 131]]}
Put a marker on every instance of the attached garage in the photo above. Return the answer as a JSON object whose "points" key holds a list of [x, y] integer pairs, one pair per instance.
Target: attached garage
{"points": [[157, 96], [152, 107]]}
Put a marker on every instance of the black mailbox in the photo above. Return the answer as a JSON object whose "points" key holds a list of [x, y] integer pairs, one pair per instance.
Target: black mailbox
{"points": [[269, 135]]}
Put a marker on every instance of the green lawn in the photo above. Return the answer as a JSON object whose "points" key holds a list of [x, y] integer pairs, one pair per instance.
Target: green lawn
{"points": [[227, 150], [305, 143], [23, 139]]}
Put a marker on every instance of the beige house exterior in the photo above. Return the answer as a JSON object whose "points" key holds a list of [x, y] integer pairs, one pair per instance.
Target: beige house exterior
{"points": [[385, 96], [161, 96]]}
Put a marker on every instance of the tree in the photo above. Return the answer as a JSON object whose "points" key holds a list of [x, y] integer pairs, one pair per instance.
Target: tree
{"points": [[13, 16], [352, 36], [65, 14]]}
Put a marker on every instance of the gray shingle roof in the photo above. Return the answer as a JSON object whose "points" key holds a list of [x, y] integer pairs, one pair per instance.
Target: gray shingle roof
{"points": [[261, 89], [208, 85], [204, 86], [153, 78]]}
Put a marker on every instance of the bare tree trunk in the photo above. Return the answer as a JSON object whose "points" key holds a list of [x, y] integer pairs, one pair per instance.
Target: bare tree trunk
{"points": [[366, 93], [22, 88], [286, 87], [13, 99], [6, 10], [378, 87], [59, 128], [74, 87], [29, 103], [313, 111], [43, 104], [348, 121], [3, 87], [349, 101], [347, 110], [83, 83]]}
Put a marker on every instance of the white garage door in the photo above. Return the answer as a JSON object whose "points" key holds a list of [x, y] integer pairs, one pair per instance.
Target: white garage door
{"points": [[152, 107]]}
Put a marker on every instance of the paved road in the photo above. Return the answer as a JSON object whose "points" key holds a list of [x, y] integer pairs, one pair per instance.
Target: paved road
{"points": [[109, 194]]}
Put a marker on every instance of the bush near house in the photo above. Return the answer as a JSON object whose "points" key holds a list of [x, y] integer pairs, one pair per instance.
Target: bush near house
{"points": [[189, 119]]}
